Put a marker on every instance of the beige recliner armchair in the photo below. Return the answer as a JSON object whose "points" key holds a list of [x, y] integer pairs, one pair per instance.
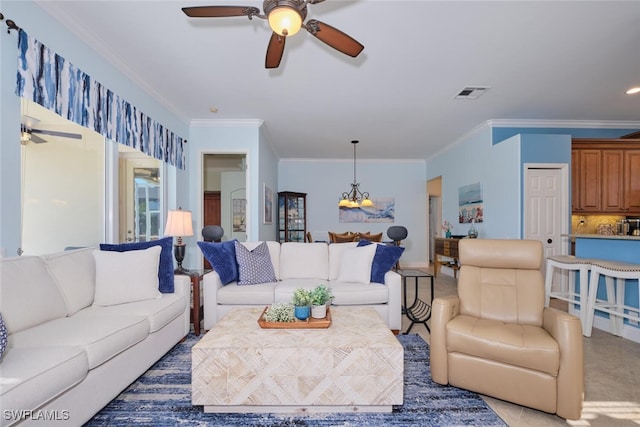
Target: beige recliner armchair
{"points": [[497, 338]]}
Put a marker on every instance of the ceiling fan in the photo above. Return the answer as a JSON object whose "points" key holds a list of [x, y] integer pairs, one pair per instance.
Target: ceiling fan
{"points": [[29, 134], [285, 18]]}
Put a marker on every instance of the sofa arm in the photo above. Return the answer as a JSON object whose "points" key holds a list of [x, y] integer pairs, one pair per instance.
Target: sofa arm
{"points": [[182, 286], [443, 310], [393, 281], [567, 331], [210, 285]]}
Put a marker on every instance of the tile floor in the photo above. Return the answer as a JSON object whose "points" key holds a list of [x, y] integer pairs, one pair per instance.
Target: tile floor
{"points": [[612, 376]]}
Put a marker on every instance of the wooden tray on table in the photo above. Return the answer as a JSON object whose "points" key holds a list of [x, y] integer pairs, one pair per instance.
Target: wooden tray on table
{"points": [[310, 323]]}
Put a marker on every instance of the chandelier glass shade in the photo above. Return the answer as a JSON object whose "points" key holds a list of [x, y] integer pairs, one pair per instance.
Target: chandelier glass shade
{"points": [[285, 20], [355, 198]]}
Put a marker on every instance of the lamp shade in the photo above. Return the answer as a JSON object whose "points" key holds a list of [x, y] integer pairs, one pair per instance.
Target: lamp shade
{"points": [[179, 224], [285, 20]]}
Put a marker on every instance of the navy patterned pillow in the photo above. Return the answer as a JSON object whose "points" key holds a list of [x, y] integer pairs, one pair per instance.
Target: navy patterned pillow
{"points": [[222, 257], [165, 270], [254, 266], [3, 336], [384, 259]]}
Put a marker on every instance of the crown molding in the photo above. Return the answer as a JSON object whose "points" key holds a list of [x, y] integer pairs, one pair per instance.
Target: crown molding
{"points": [[577, 124], [227, 123]]}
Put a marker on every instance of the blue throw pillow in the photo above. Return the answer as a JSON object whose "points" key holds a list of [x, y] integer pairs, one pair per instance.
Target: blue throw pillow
{"points": [[254, 266], [222, 257], [165, 270], [384, 259]]}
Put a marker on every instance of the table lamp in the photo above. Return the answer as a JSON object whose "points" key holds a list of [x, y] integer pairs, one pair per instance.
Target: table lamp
{"points": [[179, 225]]}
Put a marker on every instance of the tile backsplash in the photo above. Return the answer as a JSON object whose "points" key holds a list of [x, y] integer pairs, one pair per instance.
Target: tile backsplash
{"points": [[590, 224]]}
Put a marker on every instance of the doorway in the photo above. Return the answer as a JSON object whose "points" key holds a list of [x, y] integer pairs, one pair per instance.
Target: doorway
{"points": [[546, 208]]}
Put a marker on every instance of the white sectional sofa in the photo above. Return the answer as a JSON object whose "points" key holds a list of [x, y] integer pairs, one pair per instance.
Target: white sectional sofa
{"points": [[305, 265], [66, 357]]}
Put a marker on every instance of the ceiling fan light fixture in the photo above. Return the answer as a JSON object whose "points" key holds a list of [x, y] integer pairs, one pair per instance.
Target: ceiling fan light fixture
{"points": [[285, 20]]}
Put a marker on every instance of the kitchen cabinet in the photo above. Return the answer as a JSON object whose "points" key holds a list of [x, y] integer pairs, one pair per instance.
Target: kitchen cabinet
{"points": [[605, 177], [292, 216], [589, 182]]}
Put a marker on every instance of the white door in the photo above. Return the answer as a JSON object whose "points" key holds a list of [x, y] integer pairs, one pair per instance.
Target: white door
{"points": [[546, 207]]}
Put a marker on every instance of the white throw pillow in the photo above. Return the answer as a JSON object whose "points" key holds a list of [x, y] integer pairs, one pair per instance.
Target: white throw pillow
{"points": [[123, 277], [355, 266]]}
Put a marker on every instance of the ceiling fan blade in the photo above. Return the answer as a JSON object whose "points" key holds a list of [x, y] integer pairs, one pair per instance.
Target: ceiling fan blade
{"points": [[334, 38], [36, 139], [220, 11], [274, 51], [29, 121], [56, 133]]}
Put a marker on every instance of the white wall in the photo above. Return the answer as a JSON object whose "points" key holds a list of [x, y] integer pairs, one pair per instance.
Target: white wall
{"points": [[325, 180], [496, 167]]}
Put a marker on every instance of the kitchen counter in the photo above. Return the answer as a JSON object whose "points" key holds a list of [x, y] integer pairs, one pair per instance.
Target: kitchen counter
{"points": [[601, 236]]}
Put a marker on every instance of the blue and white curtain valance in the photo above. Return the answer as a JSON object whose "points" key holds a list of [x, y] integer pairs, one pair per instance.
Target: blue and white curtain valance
{"points": [[49, 80]]}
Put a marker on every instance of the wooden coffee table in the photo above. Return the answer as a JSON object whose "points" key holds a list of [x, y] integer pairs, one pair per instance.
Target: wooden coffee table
{"points": [[356, 364]]}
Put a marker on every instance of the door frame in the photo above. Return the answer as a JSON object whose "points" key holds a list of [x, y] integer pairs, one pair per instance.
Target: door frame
{"points": [[199, 218]]}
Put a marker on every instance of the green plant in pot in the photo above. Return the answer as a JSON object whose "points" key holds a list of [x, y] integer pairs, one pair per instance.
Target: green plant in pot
{"points": [[302, 303], [320, 296]]}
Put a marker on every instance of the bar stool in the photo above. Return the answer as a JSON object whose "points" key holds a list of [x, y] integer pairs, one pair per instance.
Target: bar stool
{"points": [[568, 292], [614, 305]]}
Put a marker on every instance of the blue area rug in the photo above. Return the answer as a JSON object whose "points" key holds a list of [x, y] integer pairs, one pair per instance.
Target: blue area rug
{"points": [[162, 397]]}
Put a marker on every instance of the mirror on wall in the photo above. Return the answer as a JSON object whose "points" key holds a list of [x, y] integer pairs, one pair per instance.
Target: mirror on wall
{"points": [[64, 184]]}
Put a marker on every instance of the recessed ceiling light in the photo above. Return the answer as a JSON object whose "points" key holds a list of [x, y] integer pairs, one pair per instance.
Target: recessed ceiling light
{"points": [[213, 109], [633, 90]]}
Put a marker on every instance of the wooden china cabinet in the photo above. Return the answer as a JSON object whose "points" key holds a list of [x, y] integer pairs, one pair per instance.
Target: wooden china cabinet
{"points": [[292, 216]]}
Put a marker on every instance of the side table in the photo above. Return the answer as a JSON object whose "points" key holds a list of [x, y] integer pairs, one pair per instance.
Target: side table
{"points": [[196, 312], [419, 311]]}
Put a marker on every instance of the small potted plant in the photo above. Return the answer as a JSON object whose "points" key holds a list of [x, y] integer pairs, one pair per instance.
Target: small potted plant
{"points": [[279, 312], [320, 297], [301, 301]]}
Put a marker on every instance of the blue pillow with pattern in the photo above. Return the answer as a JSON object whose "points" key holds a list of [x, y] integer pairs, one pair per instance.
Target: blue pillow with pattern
{"points": [[3, 336], [254, 266], [222, 257], [385, 258], [165, 269]]}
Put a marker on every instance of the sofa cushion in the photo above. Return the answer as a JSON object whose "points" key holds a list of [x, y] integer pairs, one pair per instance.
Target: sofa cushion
{"points": [[165, 268], [33, 376], [74, 272], [254, 266], [525, 346], [385, 258], [286, 287], [123, 277], [25, 281], [159, 312], [335, 257], [102, 336], [356, 264], [304, 260], [222, 257], [349, 293], [3, 337], [234, 294]]}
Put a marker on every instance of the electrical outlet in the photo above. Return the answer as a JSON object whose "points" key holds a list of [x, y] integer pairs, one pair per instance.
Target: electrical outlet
{"points": [[631, 321]]}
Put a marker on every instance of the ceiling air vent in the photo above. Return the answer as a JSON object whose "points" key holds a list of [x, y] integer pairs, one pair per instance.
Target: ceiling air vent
{"points": [[472, 92]]}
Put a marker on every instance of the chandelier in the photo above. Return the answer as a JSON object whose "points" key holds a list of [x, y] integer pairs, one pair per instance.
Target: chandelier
{"points": [[355, 198]]}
